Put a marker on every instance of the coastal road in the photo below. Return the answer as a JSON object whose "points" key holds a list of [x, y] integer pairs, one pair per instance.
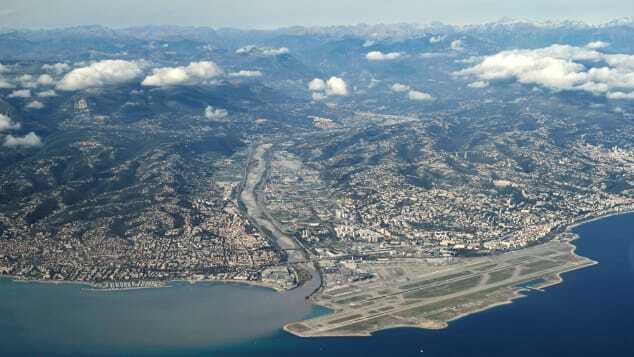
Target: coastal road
{"points": [[296, 253]]}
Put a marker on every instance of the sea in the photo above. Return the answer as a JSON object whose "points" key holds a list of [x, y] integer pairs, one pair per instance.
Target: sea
{"points": [[590, 314]]}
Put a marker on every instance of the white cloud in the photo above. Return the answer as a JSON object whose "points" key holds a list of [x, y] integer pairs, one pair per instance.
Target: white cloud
{"points": [[245, 73], [21, 93], [29, 140], [624, 62], [7, 123], [397, 87], [336, 86], [435, 39], [369, 43], [27, 81], [621, 95], [246, 49], [35, 105], [333, 86], [194, 73], [57, 68], [317, 85], [428, 55], [595, 45], [215, 113], [262, 51], [380, 56], [275, 51], [478, 84], [3, 68], [4, 84], [47, 94], [100, 74], [45, 80], [456, 45], [421, 96], [470, 60], [558, 68]]}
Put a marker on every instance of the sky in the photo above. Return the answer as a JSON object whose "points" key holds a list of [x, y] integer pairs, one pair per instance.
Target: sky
{"points": [[267, 14]]}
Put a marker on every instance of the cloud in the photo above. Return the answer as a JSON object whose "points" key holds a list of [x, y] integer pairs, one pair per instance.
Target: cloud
{"points": [[29, 140], [621, 95], [27, 81], [595, 45], [317, 96], [373, 82], [456, 45], [35, 105], [215, 113], [245, 73], [21, 93], [369, 43], [275, 51], [559, 68], [7, 123], [47, 94], [380, 56], [45, 80], [262, 51], [3, 68], [193, 74], [4, 84], [397, 87], [478, 84], [57, 68], [420, 96], [334, 86], [100, 74], [317, 85], [246, 50], [428, 55], [435, 39]]}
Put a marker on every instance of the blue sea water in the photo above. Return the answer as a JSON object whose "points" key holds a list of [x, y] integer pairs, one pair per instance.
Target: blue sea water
{"points": [[590, 314]]}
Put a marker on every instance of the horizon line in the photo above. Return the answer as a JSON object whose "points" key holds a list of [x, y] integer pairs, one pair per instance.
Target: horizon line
{"points": [[624, 20]]}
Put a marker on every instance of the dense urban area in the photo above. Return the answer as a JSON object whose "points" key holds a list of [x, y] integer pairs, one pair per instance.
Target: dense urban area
{"points": [[372, 158]]}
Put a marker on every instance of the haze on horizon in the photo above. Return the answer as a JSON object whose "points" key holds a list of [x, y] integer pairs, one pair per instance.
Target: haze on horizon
{"points": [[282, 13]]}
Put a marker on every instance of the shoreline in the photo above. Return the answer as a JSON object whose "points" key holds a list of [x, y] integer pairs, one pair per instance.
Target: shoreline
{"points": [[160, 284], [557, 278], [608, 214], [518, 293]]}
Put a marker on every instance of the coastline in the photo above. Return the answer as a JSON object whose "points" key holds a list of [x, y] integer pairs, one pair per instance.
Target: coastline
{"points": [[557, 278], [607, 214], [159, 283], [517, 292]]}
